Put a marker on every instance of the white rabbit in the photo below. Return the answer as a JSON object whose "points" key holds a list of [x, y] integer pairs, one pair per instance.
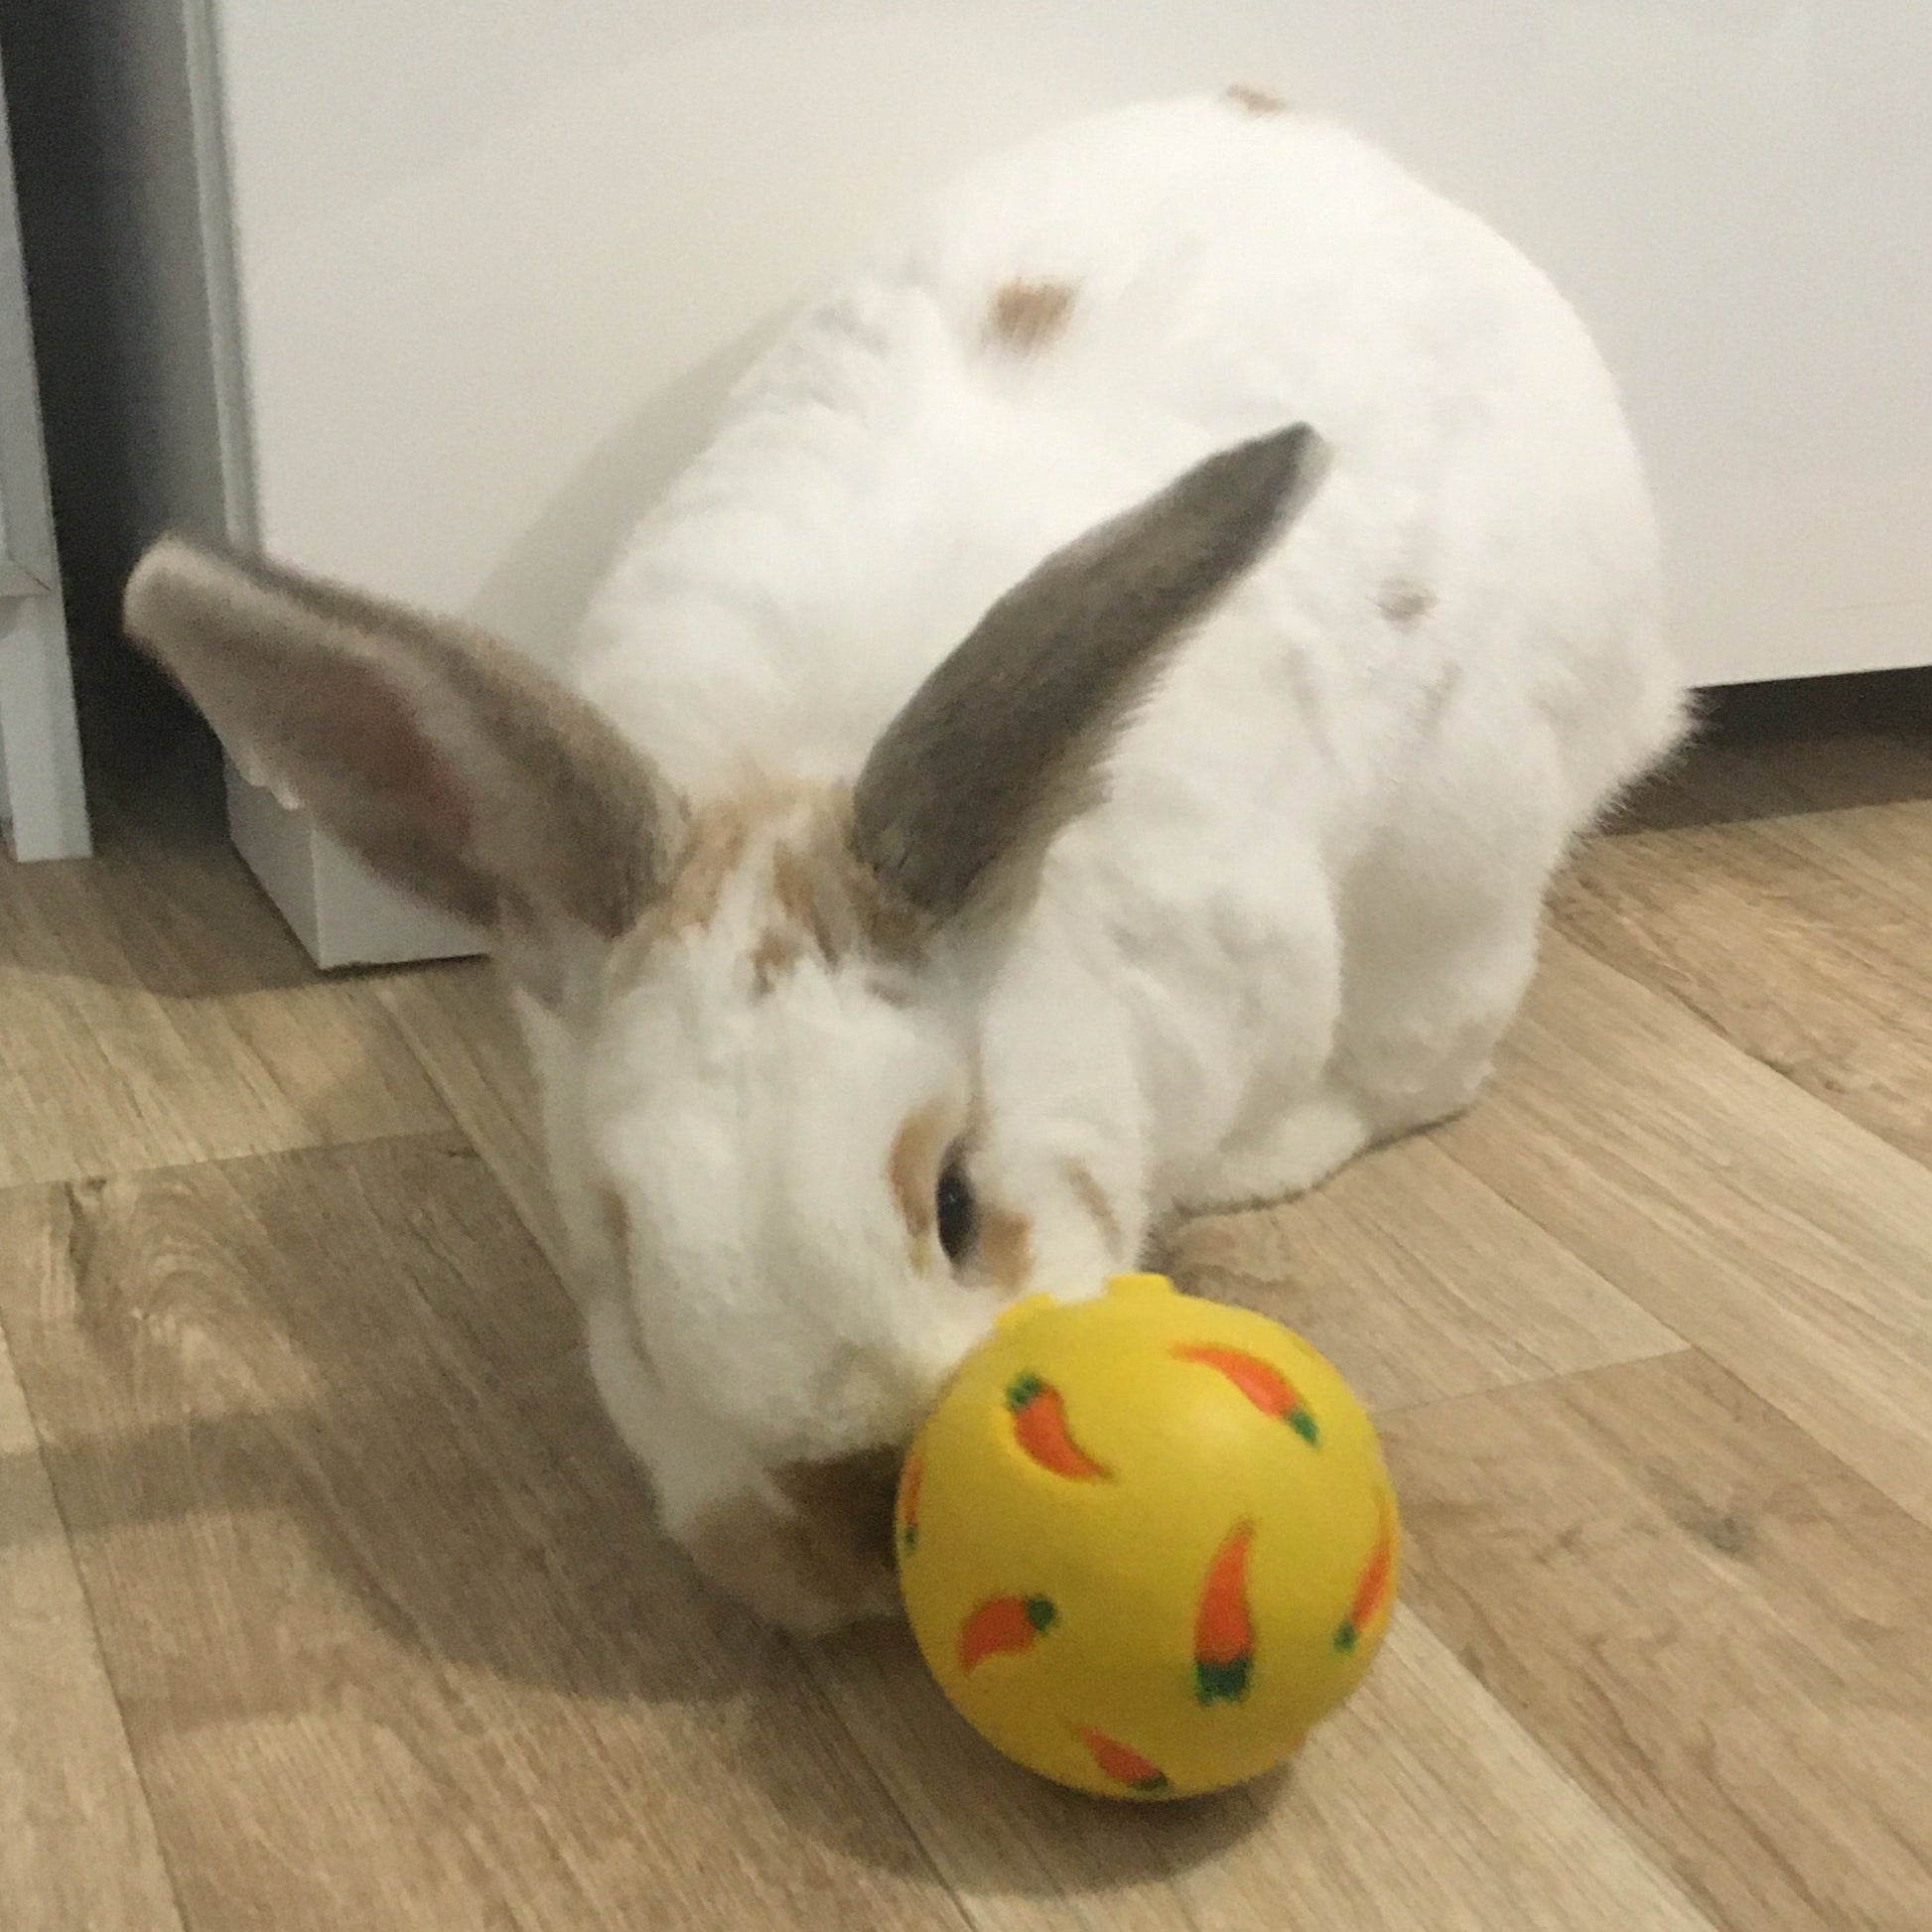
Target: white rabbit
{"points": [[876, 977]]}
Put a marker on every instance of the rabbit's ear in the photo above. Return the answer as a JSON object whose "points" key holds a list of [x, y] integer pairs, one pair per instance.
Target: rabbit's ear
{"points": [[450, 763], [1005, 742]]}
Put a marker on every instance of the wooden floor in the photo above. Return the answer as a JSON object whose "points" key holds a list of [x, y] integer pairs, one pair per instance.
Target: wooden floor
{"points": [[326, 1599]]}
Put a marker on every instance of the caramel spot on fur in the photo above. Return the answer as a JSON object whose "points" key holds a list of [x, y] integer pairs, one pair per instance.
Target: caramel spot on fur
{"points": [[1093, 1198], [1027, 316], [711, 855], [1255, 101], [823, 900], [1405, 603], [808, 895], [838, 904], [912, 1169], [1004, 1255]]}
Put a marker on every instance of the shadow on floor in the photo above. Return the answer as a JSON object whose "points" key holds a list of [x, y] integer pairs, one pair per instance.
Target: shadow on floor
{"points": [[321, 1417], [1813, 744]]}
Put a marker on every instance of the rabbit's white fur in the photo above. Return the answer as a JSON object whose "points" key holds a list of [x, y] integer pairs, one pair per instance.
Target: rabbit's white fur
{"points": [[1308, 905], [765, 1007]]}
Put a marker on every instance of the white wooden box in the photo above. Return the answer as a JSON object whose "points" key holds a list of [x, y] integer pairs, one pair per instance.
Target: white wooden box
{"points": [[432, 297]]}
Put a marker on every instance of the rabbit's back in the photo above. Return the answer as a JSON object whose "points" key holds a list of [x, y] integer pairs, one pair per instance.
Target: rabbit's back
{"points": [[1308, 903], [1065, 331]]}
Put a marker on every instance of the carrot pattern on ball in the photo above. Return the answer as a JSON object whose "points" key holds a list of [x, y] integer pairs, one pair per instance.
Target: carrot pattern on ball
{"points": [[909, 1504], [1224, 1636], [1040, 1427], [1372, 1590], [1123, 1765], [1266, 1387], [1003, 1626]]}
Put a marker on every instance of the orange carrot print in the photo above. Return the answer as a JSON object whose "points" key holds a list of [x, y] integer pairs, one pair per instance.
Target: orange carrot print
{"points": [[1040, 1427], [1224, 1637], [1372, 1592], [1003, 1626], [1124, 1766], [1266, 1388], [909, 1504]]}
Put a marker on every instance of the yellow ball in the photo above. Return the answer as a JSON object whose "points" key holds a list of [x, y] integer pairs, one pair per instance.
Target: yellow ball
{"points": [[1145, 1540]]}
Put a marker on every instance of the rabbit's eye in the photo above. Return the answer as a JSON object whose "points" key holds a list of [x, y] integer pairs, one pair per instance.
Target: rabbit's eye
{"points": [[958, 1210]]}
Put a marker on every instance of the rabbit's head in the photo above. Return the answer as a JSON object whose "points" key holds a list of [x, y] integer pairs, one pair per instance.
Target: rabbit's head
{"points": [[761, 1005]]}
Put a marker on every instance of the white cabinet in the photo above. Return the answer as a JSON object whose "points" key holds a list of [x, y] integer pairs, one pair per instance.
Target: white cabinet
{"points": [[40, 796], [437, 295]]}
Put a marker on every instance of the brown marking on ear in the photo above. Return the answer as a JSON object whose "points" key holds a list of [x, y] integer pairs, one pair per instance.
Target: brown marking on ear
{"points": [[912, 1168], [792, 885], [832, 901], [1254, 100], [1004, 1252], [1093, 1198], [1405, 603], [714, 848], [895, 929], [1027, 316]]}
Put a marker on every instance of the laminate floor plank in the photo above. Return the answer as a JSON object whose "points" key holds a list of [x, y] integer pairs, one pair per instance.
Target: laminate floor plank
{"points": [[1784, 949], [377, 1590], [1423, 1807], [1418, 1281], [156, 1012], [332, 1600], [459, 1024], [1715, 1626], [77, 1845], [1760, 1224]]}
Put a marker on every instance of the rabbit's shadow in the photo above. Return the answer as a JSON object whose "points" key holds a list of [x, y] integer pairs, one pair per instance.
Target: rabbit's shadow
{"points": [[991, 1828], [537, 593], [340, 1391]]}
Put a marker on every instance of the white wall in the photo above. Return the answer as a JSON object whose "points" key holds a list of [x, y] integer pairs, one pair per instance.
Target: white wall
{"points": [[497, 261]]}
